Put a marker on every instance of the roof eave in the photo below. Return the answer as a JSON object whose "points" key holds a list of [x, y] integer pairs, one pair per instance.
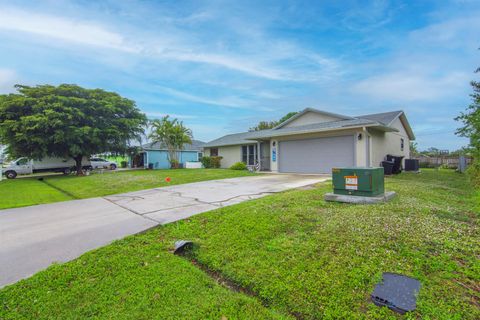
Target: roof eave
{"points": [[151, 149], [227, 144], [292, 133], [406, 124]]}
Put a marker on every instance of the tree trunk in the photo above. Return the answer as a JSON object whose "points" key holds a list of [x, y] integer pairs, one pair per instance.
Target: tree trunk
{"points": [[172, 158], [78, 164]]}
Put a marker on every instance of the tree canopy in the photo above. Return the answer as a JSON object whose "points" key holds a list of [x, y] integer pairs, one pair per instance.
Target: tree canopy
{"points": [[471, 130], [471, 119], [263, 125], [173, 134], [67, 121]]}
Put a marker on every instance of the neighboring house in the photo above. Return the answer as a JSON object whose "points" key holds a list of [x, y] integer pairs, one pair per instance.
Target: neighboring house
{"points": [[315, 141], [157, 155]]}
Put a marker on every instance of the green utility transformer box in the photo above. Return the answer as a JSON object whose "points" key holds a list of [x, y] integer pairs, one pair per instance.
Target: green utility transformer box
{"points": [[365, 182]]}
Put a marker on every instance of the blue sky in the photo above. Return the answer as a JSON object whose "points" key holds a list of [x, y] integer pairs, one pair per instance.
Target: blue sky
{"points": [[221, 66]]}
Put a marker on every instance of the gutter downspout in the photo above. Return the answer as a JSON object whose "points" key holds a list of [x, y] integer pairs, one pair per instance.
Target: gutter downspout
{"points": [[368, 147]]}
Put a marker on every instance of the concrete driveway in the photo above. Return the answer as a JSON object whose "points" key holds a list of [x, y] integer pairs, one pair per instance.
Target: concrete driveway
{"points": [[32, 238]]}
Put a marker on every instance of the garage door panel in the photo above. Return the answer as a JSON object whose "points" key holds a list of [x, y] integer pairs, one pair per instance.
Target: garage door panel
{"points": [[316, 155]]}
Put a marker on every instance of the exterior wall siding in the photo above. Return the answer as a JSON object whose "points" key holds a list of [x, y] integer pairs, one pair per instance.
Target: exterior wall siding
{"points": [[159, 158], [384, 143], [188, 156], [229, 154]]}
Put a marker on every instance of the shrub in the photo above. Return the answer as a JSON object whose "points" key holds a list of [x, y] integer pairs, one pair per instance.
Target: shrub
{"points": [[473, 172], [174, 164], [206, 162], [239, 166], [211, 162], [216, 162], [123, 164]]}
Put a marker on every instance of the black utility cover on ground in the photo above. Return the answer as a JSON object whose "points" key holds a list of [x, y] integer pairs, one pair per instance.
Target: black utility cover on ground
{"points": [[181, 246], [397, 292]]}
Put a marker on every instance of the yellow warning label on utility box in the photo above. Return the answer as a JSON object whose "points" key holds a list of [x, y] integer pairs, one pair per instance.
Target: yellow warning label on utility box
{"points": [[351, 182]]}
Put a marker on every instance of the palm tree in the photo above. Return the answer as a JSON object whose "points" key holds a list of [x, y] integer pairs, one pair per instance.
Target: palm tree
{"points": [[171, 133]]}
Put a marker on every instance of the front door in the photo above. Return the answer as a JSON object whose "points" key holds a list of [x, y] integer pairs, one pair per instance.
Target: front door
{"points": [[265, 156]]}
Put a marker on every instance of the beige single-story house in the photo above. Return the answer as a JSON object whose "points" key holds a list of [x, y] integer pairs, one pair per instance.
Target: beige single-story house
{"points": [[315, 141]]}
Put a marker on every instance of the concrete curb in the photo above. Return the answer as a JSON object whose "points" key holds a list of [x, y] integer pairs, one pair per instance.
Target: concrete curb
{"points": [[360, 200]]}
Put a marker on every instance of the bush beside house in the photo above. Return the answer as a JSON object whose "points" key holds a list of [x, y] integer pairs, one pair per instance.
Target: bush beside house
{"points": [[238, 166], [211, 162]]}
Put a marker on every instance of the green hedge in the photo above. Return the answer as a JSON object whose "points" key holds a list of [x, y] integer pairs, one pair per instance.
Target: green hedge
{"points": [[473, 172], [239, 166], [211, 162]]}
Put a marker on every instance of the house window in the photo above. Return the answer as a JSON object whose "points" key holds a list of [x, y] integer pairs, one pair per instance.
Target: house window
{"points": [[200, 156], [249, 154], [214, 152], [402, 144], [244, 154]]}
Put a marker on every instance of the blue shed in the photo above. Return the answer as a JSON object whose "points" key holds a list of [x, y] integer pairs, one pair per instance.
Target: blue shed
{"points": [[157, 155]]}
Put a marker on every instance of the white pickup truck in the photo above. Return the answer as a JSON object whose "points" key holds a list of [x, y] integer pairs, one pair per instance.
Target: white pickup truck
{"points": [[47, 164]]}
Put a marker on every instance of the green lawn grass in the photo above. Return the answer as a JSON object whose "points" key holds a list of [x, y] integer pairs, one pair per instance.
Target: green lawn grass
{"points": [[29, 191], [299, 256]]}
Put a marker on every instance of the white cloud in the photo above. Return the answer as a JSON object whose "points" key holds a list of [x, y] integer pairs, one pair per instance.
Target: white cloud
{"points": [[207, 132], [172, 115], [8, 78], [411, 86], [230, 62], [262, 57], [452, 33], [71, 30], [368, 16], [231, 102]]}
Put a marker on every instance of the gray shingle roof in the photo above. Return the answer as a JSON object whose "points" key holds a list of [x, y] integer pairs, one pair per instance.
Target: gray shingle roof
{"points": [[379, 119], [234, 139], [385, 118], [249, 137], [196, 145], [322, 126]]}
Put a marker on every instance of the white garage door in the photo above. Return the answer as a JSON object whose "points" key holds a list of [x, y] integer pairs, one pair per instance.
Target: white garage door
{"points": [[316, 155]]}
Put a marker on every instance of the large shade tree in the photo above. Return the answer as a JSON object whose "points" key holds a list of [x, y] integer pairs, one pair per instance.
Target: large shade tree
{"points": [[67, 121], [171, 133]]}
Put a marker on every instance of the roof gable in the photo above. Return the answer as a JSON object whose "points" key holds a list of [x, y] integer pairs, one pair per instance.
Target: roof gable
{"points": [[389, 119], [311, 116], [386, 117]]}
